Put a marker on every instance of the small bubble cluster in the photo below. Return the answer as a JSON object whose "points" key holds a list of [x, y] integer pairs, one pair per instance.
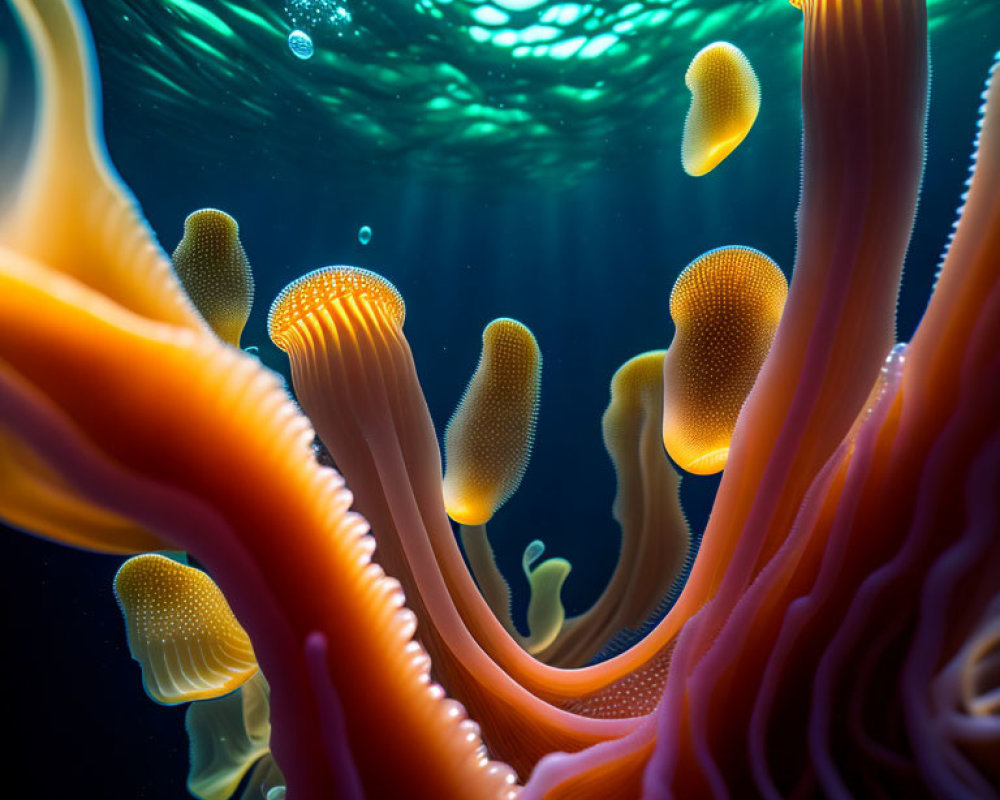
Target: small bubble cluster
{"points": [[309, 15]]}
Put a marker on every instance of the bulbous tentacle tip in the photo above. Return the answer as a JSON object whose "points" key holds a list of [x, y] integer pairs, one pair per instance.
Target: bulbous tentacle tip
{"points": [[489, 437], [181, 630], [214, 270], [708, 464], [725, 101], [315, 292], [726, 305]]}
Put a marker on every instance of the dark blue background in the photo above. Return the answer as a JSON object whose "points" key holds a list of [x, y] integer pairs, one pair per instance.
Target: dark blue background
{"points": [[587, 268]]}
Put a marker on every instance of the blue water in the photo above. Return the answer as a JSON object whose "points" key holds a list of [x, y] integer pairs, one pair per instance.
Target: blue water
{"points": [[587, 266]]}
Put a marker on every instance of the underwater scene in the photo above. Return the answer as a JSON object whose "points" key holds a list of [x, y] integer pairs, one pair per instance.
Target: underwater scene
{"points": [[468, 399]]}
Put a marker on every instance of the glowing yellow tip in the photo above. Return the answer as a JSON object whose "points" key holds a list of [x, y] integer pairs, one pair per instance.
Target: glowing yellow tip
{"points": [[633, 381], [725, 99], [215, 272], [320, 290], [181, 631], [488, 440], [726, 305]]}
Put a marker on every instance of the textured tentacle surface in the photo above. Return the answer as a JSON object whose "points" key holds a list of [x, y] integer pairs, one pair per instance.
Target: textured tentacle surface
{"points": [[124, 396], [354, 375], [838, 633], [655, 536]]}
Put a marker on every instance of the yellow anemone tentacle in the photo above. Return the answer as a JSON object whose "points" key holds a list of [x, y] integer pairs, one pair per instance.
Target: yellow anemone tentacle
{"points": [[655, 536], [726, 305], [488, 440], [181, 631], [546, 613], [228, 735], [214, 269]]}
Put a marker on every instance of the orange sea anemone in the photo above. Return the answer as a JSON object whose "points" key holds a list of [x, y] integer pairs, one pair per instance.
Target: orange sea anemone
{"points": [[836, 634]]}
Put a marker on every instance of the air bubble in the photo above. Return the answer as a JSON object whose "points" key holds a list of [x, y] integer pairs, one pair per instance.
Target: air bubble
{"points": [[301, 44]]}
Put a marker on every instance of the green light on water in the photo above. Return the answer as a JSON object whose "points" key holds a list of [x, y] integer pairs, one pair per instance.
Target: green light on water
{"points": [[159, 76], [505, 39], [686, 18], [202, 15], [253, 19], [715, 24], [479, 34], [563, 14], [520, 5], [540, 33], [431, 95], [201, 44], [598, 45], [481, 129], [567, 49], [488, 15]]}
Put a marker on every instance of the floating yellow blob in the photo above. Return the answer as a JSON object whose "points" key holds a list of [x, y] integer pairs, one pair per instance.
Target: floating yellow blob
{"points": [[318, 292], [488, 440], [215, 272], [181, 631], [725, 99], [726, 305]]}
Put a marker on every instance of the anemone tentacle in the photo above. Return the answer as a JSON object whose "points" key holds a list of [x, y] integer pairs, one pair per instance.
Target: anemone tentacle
{"points": [[837, 633]]}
